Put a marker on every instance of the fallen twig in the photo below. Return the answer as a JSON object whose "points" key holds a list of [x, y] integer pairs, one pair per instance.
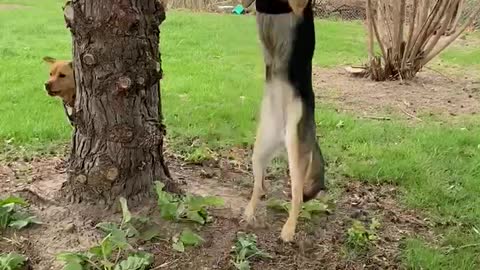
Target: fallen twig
{"points": [[382, 118], [450, 249], [165, 264], [440, 73], [410, 114]]}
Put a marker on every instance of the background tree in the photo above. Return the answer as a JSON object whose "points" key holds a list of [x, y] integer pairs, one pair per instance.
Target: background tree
{"points": [[410, 34], [117, 146]]}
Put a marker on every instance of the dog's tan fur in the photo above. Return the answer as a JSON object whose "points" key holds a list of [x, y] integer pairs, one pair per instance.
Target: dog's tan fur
{"points": [[304, 159], [61, 82]]}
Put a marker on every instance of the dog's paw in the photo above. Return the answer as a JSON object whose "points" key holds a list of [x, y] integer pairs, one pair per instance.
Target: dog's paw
{"points": [[288, 232], [249, 215]]}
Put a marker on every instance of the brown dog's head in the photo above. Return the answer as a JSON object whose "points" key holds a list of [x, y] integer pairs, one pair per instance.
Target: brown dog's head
{"points": [[61, 82]]}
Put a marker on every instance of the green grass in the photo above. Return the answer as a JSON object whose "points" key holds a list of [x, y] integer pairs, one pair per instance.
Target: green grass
{"points": [[211, 93]]}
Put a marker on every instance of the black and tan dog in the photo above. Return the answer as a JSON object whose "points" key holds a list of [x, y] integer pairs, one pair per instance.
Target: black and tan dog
{"points": [[61, 83], [286, 30]]}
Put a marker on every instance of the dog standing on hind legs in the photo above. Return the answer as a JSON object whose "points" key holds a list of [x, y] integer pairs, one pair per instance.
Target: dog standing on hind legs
{"points": [[287, 33]]}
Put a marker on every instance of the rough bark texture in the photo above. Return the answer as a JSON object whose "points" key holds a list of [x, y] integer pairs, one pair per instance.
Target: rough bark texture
{"points": [[117, 147]]}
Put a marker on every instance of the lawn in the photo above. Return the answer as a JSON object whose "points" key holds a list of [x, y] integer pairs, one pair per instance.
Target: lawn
{"points": [[211, 92]]}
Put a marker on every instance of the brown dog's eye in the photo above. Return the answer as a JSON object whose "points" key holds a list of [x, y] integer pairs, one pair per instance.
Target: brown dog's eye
{"points": [[51, 74], [61, 75]]}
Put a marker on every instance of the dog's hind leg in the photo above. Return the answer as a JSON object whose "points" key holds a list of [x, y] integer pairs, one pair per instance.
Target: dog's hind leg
{"points": [[298, 164], [268, 140]]}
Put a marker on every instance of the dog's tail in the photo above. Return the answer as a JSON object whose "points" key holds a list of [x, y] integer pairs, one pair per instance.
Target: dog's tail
{"points": [[315, 175]]}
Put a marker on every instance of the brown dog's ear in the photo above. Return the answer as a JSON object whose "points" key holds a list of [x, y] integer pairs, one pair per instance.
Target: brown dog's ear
{"points": [[49, 59], [298, 6]]}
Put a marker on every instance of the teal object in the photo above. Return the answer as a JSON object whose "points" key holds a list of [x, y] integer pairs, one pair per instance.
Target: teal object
{"points": [[239, 10]]}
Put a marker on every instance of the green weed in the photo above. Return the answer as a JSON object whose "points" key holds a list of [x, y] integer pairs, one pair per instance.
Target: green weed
{"points": [[14, 215], [245, 249], [309, 209], [185, 208], [360, 237], [186, 238], [12, 261], [110, 251]]}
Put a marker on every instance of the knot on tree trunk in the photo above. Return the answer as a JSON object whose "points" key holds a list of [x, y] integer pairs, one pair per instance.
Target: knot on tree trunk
{"points": [[89, 59], [124, 84], [121, 134]]}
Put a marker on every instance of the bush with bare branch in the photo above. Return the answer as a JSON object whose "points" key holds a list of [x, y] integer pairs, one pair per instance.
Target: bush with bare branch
{"points": [[409, 35]]}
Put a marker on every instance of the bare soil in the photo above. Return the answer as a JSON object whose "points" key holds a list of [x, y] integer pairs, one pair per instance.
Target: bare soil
{"points": [[320, 244], [430, 94]]}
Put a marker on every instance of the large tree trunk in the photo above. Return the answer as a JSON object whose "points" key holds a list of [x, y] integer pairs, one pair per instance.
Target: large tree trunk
{"points": [[117, 147]]}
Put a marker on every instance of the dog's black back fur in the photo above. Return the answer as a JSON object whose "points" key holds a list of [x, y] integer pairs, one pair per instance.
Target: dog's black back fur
{"points": [[300, 76], [300, 62], [272, 6]]}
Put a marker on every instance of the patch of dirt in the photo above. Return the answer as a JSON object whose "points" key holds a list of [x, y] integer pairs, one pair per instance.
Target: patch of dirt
{"points": [[430, 94], [320, 244], [4, 7]]}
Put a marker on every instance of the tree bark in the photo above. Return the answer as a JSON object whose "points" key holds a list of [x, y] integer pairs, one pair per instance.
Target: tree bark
{"points": [[117, 146]]}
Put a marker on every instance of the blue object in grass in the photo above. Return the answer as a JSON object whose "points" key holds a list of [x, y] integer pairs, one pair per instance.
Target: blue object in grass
{"points": [[238, 10]]}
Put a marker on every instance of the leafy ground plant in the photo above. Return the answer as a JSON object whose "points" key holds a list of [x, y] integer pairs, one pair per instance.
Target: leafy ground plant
{"points": [[309, 209], [185, 208], [245, 248], [13, 214], [199, 155], [186, 238], [359, 237], [113, 247], [136, 228], [12, 261]]}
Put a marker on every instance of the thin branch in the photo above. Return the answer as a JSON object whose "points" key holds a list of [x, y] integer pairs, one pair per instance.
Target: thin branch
{"points": [[443, 28], [410, 114], [388, 19], [452, 38], [441, 74], [454, 22], [400, 16], [451, 249], [436, 24], [418, 38], [370, 30], [380, 118], [377, 34], [410, 33]]}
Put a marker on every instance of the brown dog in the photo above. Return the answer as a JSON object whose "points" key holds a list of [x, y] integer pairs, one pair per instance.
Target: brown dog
{"points": [[61, 83]]}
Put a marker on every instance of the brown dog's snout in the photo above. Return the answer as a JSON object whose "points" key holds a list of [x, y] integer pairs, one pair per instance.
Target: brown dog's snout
{"points": [[47, 86]]}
